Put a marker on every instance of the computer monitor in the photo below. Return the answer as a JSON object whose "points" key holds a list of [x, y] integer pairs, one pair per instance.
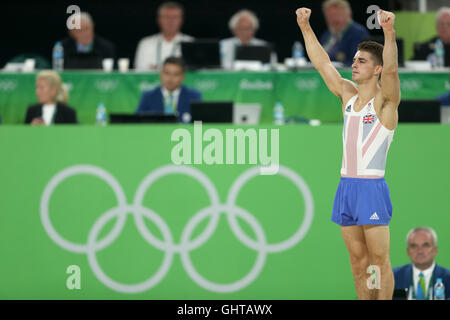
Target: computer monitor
{"points": [[254, 52], [246, 113], [150, 117], [400, 294], [419, 111], [201, 54], [212, 111], [400, 50]]}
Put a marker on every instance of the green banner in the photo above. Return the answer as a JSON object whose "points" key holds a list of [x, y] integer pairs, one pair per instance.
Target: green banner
{"points": [[303, 94], [107, 206]]}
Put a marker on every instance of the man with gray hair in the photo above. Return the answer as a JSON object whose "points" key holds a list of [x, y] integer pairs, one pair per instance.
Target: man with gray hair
{"points": [[243, 25], [84, 49], [420, 276], [423, 50]]}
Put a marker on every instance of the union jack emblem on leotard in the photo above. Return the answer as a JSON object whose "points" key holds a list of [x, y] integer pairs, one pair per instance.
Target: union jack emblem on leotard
{"points": [[368, 119]]}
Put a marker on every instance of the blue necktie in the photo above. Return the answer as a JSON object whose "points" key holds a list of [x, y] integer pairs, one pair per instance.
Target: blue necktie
{"points": [[421, 287], [169, 104]]}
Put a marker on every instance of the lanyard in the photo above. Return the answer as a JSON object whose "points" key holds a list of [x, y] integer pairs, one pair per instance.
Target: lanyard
{"points": [[430, 286], [159, 49]]}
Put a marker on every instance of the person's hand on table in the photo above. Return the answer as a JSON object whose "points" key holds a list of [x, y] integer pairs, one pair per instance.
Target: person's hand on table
{"points": [[37, 122]]}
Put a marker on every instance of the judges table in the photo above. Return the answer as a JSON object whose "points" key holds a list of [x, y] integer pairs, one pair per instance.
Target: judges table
{"points": [[302, 93]]}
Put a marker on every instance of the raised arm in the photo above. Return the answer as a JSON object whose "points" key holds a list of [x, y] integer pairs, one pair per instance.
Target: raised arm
{"points": [[320, 58], [390, 82]]}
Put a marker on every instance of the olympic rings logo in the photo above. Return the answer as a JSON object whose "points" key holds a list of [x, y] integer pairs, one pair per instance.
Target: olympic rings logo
{"points": [[213, 211]]}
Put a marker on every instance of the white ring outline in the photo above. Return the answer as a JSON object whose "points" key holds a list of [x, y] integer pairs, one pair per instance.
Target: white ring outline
{"points": [[239, 284], [61, 176], [174, 169], [304, 226], [95, 266]]}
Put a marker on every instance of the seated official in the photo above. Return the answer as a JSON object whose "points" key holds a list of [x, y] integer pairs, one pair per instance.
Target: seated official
{"points": [[423, 50], [444, 99], [52, 96], [153, 50], [171, 97], [420, 276], [341, 39], [243, 25], [84, 49]]}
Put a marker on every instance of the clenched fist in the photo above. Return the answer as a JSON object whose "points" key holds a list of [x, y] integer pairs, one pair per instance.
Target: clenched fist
{"points": [[303, 15], [386, 20]]}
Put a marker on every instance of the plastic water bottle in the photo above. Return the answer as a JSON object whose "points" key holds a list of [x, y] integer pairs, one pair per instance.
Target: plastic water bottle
{"points": [[278, 114], [439, 290], [297, 53], [439, 53], [58, 56], [101, 114]]}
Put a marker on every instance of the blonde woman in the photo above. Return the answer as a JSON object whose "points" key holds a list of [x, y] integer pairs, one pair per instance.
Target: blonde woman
{"points": [[53, 96]]}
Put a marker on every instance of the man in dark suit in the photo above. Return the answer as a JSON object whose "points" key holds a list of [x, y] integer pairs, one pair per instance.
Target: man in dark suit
{"points": [[83, 49], [341, 39], [171, 97], [422, 50], [420, 276]]}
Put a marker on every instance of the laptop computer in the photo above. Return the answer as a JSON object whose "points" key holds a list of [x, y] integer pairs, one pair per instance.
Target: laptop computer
{"points": [[246, 113], [151, 117], [254, 52], [201, 54], [212, 111], [419, 111]]}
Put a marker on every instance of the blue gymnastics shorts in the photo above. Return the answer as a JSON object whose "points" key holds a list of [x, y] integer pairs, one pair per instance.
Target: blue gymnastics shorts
{"points": [[362, 202]]}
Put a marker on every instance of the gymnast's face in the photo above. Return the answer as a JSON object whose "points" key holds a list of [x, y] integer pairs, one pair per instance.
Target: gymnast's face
{"points": [[421, 249], [364, 67]]}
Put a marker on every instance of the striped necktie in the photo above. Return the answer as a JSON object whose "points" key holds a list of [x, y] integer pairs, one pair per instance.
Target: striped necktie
{"points": [[421, 290], [170, 109]]}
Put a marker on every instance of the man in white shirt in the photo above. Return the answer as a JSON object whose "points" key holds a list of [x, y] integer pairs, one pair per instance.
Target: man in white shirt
{"points": [[420, 276], [243, 24], [153, 50]]}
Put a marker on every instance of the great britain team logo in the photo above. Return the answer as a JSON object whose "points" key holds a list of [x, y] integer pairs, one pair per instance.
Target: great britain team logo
{"points": [[369, 118]]}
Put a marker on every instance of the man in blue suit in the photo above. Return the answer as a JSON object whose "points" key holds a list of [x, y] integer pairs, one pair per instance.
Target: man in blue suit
{"points": [[171, 97], [420, 276], [341, 39]]}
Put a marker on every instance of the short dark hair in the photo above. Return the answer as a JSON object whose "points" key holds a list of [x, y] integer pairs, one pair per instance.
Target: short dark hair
{"points": [[375, 49], [170, 5], [176, 60]]}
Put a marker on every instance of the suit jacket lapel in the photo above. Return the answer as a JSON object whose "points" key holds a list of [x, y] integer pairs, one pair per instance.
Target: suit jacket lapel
{"points": [[160, 97], [407, 278]]}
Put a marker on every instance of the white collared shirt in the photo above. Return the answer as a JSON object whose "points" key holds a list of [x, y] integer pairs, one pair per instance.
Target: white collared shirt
{"points": [[48, 110], [175, 96], [228, 46], [153, 50], [427, 274]]}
